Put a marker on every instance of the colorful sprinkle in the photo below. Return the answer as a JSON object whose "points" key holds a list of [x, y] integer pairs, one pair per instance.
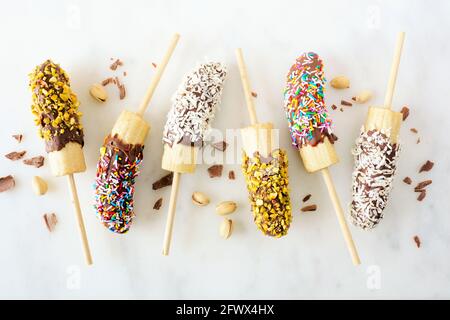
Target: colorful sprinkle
{"points": [[117, 170], [304, 100]]}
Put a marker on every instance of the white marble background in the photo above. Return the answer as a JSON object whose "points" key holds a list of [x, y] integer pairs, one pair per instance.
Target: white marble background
{"points": [[355, 38]]}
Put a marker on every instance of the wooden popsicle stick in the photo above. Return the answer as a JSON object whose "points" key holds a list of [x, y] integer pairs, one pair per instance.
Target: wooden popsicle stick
{"points": [[394, 71], [246, 85], [79, 217], [171, 214], [341, 218], [159, 71]]}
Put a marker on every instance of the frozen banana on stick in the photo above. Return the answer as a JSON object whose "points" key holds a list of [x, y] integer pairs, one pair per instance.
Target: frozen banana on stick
{"points": [[189, 119], [310, 128], [55, 108], [265, 168], [376, 154], [120, 158]]}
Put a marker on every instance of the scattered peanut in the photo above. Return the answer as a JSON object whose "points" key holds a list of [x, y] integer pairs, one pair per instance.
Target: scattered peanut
{"points": [[200, 199], [98, 92], [226, 207], [363, 96], [39, 186], [226, 228], [340, 82]]}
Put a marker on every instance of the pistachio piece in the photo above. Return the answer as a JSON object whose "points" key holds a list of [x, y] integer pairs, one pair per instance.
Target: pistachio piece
{"points": [[226, 228], [39, 185], [363, 96], [98, 92], [340, 82], [226, 207], [200, 199]]}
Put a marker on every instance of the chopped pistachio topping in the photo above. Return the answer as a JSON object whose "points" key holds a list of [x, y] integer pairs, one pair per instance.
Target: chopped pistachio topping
{"points": [[54, 105], [267, 183]]}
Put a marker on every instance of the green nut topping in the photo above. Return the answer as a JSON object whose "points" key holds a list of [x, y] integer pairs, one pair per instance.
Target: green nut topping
{"points": [[54, 105], [267, 182]]}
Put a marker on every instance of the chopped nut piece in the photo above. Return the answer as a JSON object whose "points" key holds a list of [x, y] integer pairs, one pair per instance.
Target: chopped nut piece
{"points": [[405, 112], [163, 182], [158, 204], [417, 241], [414, 130], [18, 137], [15, 155], [39, 185], [221, 145], [309, 208], [6, 183], [154, 65], [427, 166], [50, 221], [363, 96], [254, 95], [306, 198], [407, 180], [231, 175], [215, 171], [35, 161], [418, 141]]}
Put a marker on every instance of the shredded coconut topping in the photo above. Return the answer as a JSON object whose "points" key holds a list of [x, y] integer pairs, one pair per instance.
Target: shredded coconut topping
{"points": [[194, 105], [375, 165]]}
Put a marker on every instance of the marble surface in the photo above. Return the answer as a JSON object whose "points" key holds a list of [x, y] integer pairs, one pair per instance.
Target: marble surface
{"points": [[355, 38]]}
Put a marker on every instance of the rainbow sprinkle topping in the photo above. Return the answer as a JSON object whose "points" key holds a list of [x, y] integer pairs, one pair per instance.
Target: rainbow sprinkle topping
{"points": [[114, 184], [304, 100]]}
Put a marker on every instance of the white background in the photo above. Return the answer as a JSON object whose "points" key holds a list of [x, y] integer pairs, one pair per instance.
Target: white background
{"points": [[355, 38]]}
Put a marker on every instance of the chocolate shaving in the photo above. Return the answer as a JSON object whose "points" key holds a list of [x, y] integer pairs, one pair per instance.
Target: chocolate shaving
{"points": [[124, 73], [154, 65], [407, 180], [421, 185], [333, 106], [417, 241], [15, 155], [163, 182], [158, 204], [215, 171], [346, 103], [414, 130], [231, 175], [50, 221], [341, 109], [254, 95], [121, 87], [18, 137], [418, 141], [108, 81], [7, 183], [221, 145], [311, 207], [427, 166], [306, 198], [422, 195], [116, 64], [35, 161], [405, 112]]}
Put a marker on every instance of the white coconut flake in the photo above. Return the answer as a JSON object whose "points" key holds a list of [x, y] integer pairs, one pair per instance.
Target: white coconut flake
{"points": [[375, 165], [195, 104]]}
